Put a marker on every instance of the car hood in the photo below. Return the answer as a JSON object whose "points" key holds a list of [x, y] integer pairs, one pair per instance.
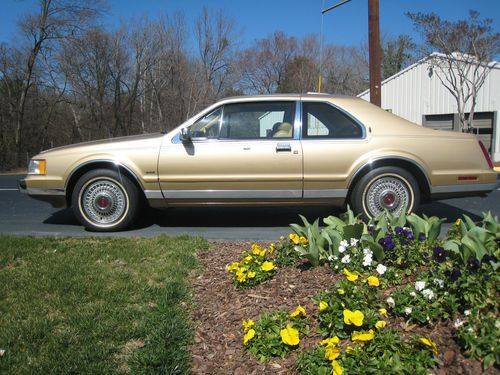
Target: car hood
{"points": [[106, 144]]}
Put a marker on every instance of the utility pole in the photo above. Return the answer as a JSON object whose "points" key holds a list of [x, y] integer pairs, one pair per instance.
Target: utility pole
{"points": [[374, 50]]}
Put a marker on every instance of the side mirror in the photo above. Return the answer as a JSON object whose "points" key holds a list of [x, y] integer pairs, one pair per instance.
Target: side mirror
{"points": [[185, 135]]}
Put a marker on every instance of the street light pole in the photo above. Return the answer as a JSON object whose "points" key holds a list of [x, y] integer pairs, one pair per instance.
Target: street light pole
{"points": [[321, 49], [374, 51]]}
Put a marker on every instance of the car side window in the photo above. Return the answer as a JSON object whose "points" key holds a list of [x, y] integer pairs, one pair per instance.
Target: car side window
{"points": [[208, 126], [321, 120], [258, 120]]}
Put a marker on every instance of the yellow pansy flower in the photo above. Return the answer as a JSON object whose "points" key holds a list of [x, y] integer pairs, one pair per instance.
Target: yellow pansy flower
{"points": [[373, 281], [431, 344], [380, 324], [332, 352], [247, 259], [248, 336], [336, 368], [303, 241], [251, 274], [272, 247], [340, 291], [358, 336], [323, 305], [351, 276], [294, 238], [298, 311], [353, 317], [255, 249], [330, 341], [290, 336], [349, 349], [233, 267], [382, 312], [458, 222], [247, 324], [267, 266], [263, 252]]}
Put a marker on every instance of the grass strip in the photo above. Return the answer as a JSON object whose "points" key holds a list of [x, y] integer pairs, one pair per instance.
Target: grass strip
{"points": [[95, 306]]}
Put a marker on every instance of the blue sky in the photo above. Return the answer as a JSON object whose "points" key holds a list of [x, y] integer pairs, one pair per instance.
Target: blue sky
{"points": [[345, 25]]}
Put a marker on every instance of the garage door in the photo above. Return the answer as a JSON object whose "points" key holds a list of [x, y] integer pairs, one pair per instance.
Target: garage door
{"points": [[439, 122]]}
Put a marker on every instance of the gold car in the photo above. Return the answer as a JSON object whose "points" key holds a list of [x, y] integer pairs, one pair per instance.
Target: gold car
{"points": [[263, 150]]}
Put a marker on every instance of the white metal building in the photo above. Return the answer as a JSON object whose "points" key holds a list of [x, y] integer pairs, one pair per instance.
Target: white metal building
{"points": [[417, 94]]}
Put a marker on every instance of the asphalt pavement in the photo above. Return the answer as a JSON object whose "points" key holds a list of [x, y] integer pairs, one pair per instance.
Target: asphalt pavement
{"points": [[22, 215]]}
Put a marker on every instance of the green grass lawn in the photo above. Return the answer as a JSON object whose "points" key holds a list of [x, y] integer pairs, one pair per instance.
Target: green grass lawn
{"points": [[95, 306]]}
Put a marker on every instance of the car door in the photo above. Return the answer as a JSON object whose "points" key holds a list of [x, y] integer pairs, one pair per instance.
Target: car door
{"points": [[245, 151], [332, 141]]}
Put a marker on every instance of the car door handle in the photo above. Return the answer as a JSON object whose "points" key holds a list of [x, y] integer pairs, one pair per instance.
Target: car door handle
{"points": [[283, 147]]}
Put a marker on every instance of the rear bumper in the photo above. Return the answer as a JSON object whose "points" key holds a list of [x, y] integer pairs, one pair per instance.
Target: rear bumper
{"points": [[56, 197]]}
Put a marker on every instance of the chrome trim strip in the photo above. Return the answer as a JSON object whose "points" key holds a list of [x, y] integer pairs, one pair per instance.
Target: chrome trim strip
{"points": [[153, 194], [326, 193], [297, 126], [463, 188], [114, 162], [45, 191], [417, 164], [231, 194]]}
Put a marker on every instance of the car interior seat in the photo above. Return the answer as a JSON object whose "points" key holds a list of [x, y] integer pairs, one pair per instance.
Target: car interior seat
{"points": [[284, 130]]}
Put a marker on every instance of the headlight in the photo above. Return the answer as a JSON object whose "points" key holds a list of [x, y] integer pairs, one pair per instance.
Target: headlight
{"points": [[37, 166]]}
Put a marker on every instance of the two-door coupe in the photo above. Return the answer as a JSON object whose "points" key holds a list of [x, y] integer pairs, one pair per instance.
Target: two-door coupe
{"points": [[265, 150]]}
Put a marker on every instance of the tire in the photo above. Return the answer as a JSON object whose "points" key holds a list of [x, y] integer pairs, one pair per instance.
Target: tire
{"points": [[390, 188], [104, 200]]}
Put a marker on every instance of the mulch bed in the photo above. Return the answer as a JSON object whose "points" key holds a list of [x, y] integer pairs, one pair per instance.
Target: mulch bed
{"points": [[219, 308]]}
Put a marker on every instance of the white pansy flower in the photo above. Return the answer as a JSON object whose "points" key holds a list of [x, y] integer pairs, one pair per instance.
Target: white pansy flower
{"points": [[367, 261], [458, 323], [330, 258], [413, 294], [346, 259], [381, 269], [367, 251], [428, 293], [390, 302], [420, 285], [439, 282], [354, 241], [344, 243], [408, 310], [342, 249]]}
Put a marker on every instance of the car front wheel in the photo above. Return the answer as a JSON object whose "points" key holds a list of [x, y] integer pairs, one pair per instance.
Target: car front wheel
{"points": [[104, 200], [386, 188]]}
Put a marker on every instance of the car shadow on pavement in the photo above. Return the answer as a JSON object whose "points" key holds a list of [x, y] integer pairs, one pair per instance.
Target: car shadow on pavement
{"points": [[62, 217], [236, 217], [446, 211], [232, 216]]}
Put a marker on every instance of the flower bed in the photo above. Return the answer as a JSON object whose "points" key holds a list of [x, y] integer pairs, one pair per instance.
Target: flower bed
{"points": [[395, 298]]}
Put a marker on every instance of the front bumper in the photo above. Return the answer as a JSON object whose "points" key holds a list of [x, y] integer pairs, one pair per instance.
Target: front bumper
{"points": [[55, 196]]}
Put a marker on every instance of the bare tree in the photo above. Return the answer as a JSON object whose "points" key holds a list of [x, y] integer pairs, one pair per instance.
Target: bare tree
{"points": [[262, 67], [215, 36], [465, 49], [55, 20]]}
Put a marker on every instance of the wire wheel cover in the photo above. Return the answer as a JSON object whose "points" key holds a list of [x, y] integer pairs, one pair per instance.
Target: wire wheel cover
{"points": [[388, 193], [103, 202]]}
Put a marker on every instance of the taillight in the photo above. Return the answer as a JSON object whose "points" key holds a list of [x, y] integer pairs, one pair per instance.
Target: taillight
{"points": [[486, 155]]}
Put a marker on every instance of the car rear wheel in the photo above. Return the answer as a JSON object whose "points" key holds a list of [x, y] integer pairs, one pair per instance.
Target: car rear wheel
{"points": [[387, 188], [104, 200]]}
